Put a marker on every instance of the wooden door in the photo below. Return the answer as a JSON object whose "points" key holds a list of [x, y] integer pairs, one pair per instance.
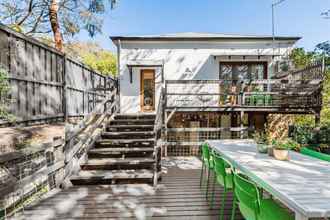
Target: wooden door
{"points": [[147, 90]]}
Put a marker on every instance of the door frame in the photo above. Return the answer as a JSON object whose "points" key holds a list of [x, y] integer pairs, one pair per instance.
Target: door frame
{"points": [[142, 72]]}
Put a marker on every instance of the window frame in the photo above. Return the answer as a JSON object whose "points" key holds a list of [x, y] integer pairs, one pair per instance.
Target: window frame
{"points": [[264, 63]]}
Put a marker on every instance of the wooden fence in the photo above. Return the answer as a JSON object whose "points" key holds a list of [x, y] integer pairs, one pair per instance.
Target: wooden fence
{"points": [[27, 174], [46, 85]]}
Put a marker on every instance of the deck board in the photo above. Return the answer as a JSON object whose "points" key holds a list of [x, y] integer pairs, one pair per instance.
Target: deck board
{"points": [[177, 197]]}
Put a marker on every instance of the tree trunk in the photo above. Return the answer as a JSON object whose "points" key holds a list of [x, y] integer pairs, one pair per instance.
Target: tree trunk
{"points": [[53, 11]]}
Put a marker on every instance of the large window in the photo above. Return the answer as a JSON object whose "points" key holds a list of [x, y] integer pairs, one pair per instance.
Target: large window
{"points": [[237, 71]]}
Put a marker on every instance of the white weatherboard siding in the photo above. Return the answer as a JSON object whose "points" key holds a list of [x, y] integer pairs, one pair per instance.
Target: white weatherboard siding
{"points": [[187, 60]]}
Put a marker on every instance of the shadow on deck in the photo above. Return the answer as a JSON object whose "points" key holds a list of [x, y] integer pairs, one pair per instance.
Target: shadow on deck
{"points": [[178, 196]]}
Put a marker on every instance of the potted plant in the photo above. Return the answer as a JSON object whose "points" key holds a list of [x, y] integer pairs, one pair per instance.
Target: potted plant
{"points": [[262, 142], [281, 148]]}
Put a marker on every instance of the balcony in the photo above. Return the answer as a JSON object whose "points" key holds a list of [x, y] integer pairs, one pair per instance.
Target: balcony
{"points": [[297, 91]]}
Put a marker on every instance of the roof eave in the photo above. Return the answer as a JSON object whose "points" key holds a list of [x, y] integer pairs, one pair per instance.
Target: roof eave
{"points": [[116, 38]]}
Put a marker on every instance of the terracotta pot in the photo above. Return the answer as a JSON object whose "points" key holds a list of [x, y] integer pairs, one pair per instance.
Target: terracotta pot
{"points": [[281, 154]]}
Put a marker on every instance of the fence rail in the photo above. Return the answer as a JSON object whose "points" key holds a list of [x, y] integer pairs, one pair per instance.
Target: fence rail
{"points": [[47, 85], [187, 141], [26, 175]]}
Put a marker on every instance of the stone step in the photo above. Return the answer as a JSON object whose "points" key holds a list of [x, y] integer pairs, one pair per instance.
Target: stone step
{"points": [[109, 143], [119, 152], [128, 135], [130, 128], [91, 177], [118, 163], [135, 116], [132, 122]]}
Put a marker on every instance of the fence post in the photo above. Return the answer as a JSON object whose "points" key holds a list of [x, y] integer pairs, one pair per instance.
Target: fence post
{"points": [[64, 101]]}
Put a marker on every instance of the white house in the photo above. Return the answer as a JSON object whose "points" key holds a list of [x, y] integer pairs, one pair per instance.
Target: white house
{"points": [[145, 62]]}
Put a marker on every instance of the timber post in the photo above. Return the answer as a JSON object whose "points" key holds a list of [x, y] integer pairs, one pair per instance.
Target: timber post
{"points": [[64, 107]]}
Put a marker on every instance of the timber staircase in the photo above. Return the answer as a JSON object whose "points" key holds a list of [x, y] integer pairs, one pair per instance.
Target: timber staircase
{"points": [[125, 153]]}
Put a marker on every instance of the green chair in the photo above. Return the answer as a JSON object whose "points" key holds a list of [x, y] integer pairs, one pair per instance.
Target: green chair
{"points": [[260, 100], [253, 99], [268, 100], [315, 154], [224, 177], [252, 205], [207, 164]]}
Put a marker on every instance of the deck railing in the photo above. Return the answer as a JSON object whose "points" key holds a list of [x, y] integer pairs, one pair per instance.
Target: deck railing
{"points": [[298, 89], [187, 141], [273, 93]]}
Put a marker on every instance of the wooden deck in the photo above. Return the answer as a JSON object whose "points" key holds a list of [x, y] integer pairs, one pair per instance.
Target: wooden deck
{"points": [[178, 196]]}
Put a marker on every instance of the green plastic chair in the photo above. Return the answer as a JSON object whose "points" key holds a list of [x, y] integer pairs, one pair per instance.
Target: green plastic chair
{"points": [[224, 177], [253, 206], [315, 154], [260, 100], [253, 100], [268, 100], [207, 164]]}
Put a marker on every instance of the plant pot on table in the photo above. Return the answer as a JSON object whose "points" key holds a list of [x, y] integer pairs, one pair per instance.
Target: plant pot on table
{"points": [[281, 154], [262, 148]]}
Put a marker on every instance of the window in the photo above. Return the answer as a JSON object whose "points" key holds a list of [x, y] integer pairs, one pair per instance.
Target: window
{"points": [[238, 71]]}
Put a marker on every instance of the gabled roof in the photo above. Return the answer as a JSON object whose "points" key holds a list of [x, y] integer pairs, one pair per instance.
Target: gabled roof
{"points": [[202, 36]]}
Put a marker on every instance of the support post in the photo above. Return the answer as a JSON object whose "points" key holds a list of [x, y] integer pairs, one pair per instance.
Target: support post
{"points": [[166, 135], [317, 119], [64, 101], [241, 124]]}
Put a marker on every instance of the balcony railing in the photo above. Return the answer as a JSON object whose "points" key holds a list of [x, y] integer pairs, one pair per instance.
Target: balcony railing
{"points": [[273, 93]]}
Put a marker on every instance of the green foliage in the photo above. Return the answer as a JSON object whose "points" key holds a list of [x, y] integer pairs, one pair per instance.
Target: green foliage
{"points": [[102, 61], [286, 144], [323, 48], [33, 16], [94, 56], [301, 59], [308, 135], [260, 137], [4, 95]]}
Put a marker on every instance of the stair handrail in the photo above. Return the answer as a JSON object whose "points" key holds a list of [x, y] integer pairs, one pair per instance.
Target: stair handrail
{"points": [[82, 136], [159, 121]]}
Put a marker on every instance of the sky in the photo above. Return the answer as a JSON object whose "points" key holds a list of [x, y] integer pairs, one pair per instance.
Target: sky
{"points": [[140, 17]]}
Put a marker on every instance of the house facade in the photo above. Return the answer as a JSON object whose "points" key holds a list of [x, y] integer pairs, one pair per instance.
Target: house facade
{"points": [[189, 56], [208, 85]]}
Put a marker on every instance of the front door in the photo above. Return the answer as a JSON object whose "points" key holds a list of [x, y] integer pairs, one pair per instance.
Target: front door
{"points": [[147, 90]]}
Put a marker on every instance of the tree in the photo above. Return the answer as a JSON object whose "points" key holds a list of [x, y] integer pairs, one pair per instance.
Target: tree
{"points": [[301, 58], [94, 56], [62, 18], [326, 14], [323, 49]]}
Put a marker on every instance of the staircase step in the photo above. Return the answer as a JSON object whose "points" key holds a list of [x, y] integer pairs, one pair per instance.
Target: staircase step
{"points": [[105, 143], [118, 163], [87, 177], [128, 135], [118, 152], [132, 122], [130, 128], [135, 116]]}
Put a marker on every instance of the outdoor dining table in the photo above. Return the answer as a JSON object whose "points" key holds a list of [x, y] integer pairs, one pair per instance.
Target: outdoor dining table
{"points": [[301, 183]]}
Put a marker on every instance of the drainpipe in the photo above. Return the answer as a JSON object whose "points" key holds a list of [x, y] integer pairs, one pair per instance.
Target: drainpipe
{"points": [[118, 71]]}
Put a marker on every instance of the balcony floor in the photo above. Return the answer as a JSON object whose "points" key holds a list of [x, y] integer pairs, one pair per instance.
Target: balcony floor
{"points": [[178, 196]]}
